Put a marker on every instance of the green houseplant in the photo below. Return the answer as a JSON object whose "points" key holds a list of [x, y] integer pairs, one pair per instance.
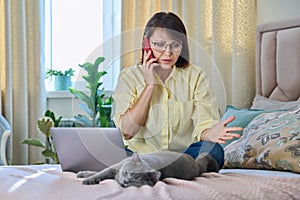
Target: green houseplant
{"points": [[93, 101], [62, 79], [44, 124]]}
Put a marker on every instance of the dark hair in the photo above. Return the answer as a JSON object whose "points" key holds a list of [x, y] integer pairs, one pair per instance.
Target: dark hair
{"points": [[175, 27]]}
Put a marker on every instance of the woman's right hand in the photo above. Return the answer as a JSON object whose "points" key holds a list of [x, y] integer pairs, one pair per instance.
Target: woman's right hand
{"points": [[148, 68], [135, 117]]}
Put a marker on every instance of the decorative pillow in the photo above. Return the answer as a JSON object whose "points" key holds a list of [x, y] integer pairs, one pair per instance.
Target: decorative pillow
{"points": [[242, 118], [270, 141], [264, 103]]}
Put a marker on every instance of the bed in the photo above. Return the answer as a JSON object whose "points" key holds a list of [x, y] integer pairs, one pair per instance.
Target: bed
{"points": [[263, 164]]}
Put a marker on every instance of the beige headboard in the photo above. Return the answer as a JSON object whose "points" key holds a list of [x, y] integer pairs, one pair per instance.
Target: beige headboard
{"points": [[278, 60]]}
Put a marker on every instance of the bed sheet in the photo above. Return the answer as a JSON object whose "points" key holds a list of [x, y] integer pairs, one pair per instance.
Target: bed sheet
{"points": [[49, 182]]}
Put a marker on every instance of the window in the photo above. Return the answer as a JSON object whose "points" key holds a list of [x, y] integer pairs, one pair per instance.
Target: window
{"points": [[77, 32]]}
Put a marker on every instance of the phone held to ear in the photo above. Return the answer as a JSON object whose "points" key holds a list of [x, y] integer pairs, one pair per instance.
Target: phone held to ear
{"points": [[147, 47]]}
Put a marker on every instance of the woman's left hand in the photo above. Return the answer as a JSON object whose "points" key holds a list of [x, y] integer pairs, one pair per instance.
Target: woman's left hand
{"points": [[220, 133]]}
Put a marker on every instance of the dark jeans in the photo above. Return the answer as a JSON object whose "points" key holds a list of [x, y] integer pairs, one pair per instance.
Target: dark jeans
{"points": [[214, 149]]}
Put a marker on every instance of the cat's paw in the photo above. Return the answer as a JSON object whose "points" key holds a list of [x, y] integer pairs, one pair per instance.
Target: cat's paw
{"points": [[84, 174], [91, 181]]}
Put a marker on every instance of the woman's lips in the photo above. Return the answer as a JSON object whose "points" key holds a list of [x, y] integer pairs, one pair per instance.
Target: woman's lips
{"points": [[166, 60]]}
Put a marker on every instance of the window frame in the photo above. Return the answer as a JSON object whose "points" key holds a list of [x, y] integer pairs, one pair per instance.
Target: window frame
{"points": [[110, 48]]}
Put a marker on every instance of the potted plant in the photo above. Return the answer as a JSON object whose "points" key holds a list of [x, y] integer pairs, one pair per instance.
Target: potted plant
{"points": [[95, 104], [62, 79], [44, 124]]}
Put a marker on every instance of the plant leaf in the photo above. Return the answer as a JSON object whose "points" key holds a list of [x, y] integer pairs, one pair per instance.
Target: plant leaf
{"points": [[44, 125], [104, 122], [102, 73], [99, 60], [33, 142], [57, 121], [108, 101], [85, 65], [79, 94], [49, 154], [51, 114], [86, 109]]}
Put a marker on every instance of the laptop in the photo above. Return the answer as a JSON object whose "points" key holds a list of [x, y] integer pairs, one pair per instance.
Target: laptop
{"points": [[93, 149]]}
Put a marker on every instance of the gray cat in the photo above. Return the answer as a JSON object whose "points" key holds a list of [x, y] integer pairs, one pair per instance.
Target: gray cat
{"points": [[147, 169]]}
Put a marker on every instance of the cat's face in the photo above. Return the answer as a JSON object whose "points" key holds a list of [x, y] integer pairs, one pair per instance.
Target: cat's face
{"points": [[135, 172]]}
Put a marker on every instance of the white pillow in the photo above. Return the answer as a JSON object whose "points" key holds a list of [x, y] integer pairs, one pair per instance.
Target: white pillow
{"points": [[264, 103]]}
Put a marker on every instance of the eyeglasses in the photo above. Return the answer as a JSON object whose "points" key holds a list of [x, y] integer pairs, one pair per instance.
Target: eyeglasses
{"points": [[175, 47]]}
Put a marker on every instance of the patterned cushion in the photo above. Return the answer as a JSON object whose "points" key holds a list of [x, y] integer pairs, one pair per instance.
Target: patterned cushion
{"points": [[270, 141]]}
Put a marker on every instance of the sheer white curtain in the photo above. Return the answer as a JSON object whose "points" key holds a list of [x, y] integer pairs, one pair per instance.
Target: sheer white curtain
{"points": [[23, 97], [222, 30]]}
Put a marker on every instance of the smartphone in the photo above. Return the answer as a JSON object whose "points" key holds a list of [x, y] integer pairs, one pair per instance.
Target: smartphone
{"points": [[147, 47]]}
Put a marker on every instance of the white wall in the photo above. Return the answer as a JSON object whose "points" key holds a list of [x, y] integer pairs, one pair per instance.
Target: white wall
{"points": [[274, 10], [63, 103]]}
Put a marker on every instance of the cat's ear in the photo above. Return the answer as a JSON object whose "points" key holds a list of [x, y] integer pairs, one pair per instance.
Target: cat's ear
{"points": [[136, 157], [154, 176]]}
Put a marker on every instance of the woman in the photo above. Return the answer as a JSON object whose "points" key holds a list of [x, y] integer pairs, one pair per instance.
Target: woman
{"points": [[164, 102]]}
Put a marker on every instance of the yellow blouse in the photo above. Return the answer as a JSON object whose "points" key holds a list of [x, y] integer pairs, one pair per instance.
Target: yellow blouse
{"points": [[181, 108]]}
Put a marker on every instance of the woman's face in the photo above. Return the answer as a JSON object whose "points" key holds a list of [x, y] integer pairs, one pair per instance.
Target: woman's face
{"points": [[165, 48]]}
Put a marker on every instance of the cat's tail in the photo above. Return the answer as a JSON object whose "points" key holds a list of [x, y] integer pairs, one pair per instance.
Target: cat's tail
{"points": [[206, 163]]}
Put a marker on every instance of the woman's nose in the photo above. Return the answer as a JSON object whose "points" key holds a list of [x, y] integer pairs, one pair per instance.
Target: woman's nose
{"points": [[168, 50]]}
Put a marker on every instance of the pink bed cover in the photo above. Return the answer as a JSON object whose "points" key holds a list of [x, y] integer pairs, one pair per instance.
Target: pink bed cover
{"points": [[49, 182]]}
